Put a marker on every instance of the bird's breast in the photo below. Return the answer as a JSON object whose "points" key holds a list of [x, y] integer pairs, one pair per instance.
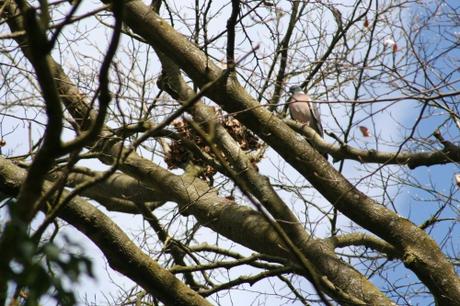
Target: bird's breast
{"points": [[300, 111]]}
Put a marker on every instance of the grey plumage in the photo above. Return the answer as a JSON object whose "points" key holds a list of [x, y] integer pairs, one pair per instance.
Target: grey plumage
{"points": [[303, 110]]}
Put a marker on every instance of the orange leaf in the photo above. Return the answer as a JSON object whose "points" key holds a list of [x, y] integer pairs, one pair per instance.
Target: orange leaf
{"points": [[365, 131]]}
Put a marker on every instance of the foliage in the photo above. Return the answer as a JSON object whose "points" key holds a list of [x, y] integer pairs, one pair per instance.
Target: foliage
{"points": [[37, 270]]}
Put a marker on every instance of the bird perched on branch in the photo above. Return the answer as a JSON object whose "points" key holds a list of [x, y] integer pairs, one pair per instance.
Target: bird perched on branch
{"points": [[303, 110]]}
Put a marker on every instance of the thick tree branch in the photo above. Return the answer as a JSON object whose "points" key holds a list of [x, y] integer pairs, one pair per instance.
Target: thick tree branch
{"points": [[119, 192]]}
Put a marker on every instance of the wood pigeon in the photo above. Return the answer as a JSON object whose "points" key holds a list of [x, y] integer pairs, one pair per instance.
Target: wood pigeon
{"points": [[303, 110]]}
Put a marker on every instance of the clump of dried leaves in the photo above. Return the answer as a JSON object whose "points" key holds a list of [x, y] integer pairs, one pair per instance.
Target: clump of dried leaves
{"points": [[180, 154]]}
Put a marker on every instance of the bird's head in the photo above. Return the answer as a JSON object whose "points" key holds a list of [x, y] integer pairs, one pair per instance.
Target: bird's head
{"points": [[294, 89]]}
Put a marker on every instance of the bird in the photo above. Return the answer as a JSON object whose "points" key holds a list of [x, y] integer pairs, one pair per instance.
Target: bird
{"points": [[303, 110]]}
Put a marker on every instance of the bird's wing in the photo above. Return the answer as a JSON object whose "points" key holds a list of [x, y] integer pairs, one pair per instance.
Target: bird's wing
{"points": [[315, 113]]}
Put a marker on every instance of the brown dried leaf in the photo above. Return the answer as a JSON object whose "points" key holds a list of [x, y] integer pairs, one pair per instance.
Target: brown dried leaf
{"points": [[366, 22], [364, 131]]}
